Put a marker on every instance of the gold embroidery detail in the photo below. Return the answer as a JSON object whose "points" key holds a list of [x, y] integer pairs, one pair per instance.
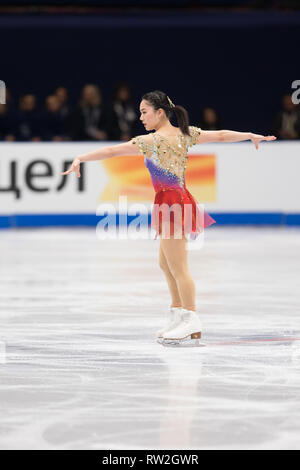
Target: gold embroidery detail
{"points": [[145, 148], [171, 151], [195, 132], [172, 155]]}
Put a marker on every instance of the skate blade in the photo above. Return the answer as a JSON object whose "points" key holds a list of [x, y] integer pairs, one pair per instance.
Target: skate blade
{"points": [[160, 339], [183, 343]]}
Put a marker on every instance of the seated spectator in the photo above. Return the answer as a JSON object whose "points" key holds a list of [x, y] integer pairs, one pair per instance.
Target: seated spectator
{"points": [[89, 120], [62, 94], [52, 122], [26, 119], [122, 118], [6, 124], [210, 120], [287, 121]]}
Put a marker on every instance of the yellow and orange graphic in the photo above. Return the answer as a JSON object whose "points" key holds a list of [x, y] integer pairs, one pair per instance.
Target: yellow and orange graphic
{"points": [[130, 177]]}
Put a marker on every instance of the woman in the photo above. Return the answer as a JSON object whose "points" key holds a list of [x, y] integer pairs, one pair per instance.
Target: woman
{"points": [[165, 154], [122, 117], [89, 120]]}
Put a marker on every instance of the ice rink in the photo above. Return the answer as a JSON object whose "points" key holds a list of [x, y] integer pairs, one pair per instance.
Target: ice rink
{"points": [[80, 367]]}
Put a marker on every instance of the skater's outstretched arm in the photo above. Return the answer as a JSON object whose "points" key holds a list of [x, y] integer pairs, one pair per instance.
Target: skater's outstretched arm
{"points": [[231, 136], [125, 149]]}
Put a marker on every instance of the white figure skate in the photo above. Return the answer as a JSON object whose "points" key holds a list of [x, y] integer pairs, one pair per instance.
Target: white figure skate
{"points": [[187, 333], [174, 318]]}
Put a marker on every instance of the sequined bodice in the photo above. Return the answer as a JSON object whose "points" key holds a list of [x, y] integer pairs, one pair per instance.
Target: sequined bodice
{"points": [[166, 157]]}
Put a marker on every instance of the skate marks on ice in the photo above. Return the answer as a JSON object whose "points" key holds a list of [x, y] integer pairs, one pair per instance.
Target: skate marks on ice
{"points": [[237, 336], [105, 385], [83, 369]]}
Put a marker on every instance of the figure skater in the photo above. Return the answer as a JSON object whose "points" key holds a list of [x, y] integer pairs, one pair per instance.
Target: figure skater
{"points": [[165, 155]]}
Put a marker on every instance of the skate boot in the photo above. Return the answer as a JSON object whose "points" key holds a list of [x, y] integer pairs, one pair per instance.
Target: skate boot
{"points": [[174, 318], [187, 332]]}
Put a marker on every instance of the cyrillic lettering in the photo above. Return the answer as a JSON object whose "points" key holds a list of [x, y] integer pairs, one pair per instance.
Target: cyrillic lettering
{"points": [[30, 174], [13, 187]]}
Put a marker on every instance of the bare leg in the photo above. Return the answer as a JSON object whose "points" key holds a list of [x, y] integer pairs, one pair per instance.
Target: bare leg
{"points": [[176, 255], [176, 300]]}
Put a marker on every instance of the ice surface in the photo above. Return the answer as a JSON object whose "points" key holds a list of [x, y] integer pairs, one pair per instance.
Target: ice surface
{"points": [[80, 367]]}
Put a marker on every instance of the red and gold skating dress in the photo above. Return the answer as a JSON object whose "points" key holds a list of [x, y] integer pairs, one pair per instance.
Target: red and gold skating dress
{"points": [[175, 210]]}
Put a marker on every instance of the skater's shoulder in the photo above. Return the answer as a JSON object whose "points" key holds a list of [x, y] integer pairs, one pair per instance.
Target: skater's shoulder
{"points": [[147, 138], [194, 130], [144, 142], [194, 134]]}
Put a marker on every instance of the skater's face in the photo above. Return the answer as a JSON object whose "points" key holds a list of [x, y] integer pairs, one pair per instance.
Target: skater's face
{"points": [[150, 117]]}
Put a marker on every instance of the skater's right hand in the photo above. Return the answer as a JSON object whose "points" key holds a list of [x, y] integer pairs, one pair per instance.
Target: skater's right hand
{"points": [[74, 167], [256, 138]]}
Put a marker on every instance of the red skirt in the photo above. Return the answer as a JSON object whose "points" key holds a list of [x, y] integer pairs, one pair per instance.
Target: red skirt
{"points": [[185, 217]]}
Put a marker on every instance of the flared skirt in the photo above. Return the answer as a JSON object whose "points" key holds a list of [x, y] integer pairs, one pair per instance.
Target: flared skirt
{"points": [[176, 212]]}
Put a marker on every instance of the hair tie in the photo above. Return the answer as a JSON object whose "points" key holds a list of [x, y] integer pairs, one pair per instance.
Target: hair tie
{"points": [[171, 103]]}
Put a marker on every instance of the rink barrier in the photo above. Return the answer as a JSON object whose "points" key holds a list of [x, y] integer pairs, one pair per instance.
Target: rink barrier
{"points": [[91, 220], [243, 187]]}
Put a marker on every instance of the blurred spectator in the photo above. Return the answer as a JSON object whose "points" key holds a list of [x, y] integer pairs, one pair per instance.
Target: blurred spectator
{"points": [[52, 122], [89, 120], [6, 124], [26, 119], [210, 120], [287, 121], [9, 99], [121, 115], [62, 94]]}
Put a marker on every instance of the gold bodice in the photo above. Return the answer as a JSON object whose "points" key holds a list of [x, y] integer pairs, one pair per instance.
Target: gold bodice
{"points": [[168, 153]]}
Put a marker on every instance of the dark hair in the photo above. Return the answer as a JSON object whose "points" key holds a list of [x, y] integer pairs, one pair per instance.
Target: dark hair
{"points": [[158, 99]]}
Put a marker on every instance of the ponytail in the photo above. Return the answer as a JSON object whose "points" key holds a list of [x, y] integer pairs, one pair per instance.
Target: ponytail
{"points": [[159, 99], [182, 118]]}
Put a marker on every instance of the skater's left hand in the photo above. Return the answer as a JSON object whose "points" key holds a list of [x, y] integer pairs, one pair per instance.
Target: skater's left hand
{"points": [[256, 138]]}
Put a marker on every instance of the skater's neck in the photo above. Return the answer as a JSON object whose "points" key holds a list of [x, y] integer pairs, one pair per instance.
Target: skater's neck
{"points": [[167, 129]]}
